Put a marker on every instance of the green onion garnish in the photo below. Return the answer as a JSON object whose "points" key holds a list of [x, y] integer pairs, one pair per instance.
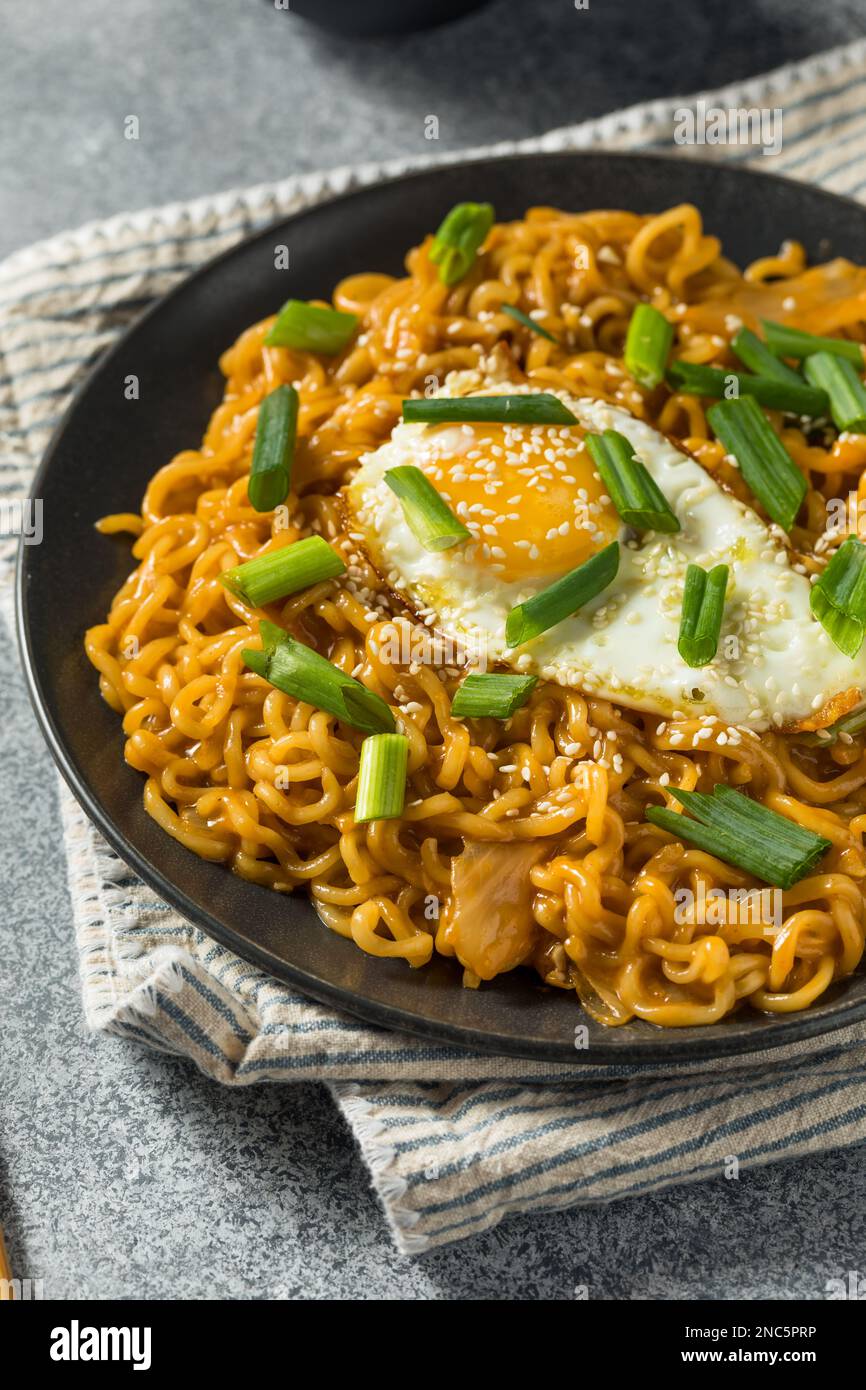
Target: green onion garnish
{"points": [[284, 571], [271, 469], [633, 491], [694, 379], [491, 696], [843, 386], [838, 597], [647, 345], [299, 671], [563, 597], [534, 408], [758, 358], [763, 460], [844, 632], [427, 515], [792, 342], [853, 723], [456, 243], [311, 328], [701, 617], [518, 314], [382, 778], [731, 826]]}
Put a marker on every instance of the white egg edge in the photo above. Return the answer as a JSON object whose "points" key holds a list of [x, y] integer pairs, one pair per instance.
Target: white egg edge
{"points": [[770, 648]]}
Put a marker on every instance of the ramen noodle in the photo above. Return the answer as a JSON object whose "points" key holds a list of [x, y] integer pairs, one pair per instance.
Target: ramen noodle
{"points": [[522, 841]]}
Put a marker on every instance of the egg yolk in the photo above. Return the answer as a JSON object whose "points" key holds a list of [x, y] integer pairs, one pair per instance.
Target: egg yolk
{"points": [[529, 494]]}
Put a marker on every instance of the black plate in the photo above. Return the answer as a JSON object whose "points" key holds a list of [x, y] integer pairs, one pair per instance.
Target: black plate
{"points": [[100, 462]]}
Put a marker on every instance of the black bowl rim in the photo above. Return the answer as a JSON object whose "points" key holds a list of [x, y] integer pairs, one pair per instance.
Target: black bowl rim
{"points": [[704, 1044]]}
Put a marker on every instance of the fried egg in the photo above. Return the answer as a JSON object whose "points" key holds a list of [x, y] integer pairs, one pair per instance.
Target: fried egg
{"points": [[536, 508]]}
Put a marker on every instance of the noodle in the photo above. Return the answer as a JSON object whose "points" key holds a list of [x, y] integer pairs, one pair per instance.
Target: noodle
{"points": [[549, 806]]}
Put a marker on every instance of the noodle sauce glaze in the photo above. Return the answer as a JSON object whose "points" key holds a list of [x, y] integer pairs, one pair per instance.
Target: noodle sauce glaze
{"points": [[524, 835]]}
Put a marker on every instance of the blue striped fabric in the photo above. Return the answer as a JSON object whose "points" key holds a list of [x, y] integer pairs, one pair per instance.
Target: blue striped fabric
{"points": [[453, 1141]]}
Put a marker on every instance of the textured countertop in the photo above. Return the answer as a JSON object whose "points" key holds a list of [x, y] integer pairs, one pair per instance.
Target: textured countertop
{"points": [[124, 1173]]}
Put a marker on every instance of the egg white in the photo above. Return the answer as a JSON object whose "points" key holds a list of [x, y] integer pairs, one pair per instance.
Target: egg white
{"points": [[775, 665]]}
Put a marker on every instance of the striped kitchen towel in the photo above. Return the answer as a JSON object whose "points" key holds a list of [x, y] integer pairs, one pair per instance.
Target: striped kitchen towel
{"points": [[454, 1141]]}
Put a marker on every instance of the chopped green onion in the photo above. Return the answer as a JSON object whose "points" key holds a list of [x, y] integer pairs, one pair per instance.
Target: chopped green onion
{"points": [[694, 379], [633, 490], [458, 239], [427, 515], [257, 661], [382, 778], [311, 328], [758, 358], [762, 458], [838, 597], [792, 342], [844, 580], [852, 724], [284, 571], [740, 831], [845, 632], [272, 635], [518, 314], [647, 345], [300, 672], [271, 469], [532, 408], [563, 597], [701, 617], [491, 696], [843, 386]]}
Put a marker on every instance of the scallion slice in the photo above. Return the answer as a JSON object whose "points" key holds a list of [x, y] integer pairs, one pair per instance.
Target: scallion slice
{"points": [[532, 408], [633, 490], [647, 345], [489, 695], [740, 831], [701, 617], [695, 379], [256, 661], [763, 460], [428, 516], [382, 778], [518, 315], [845, 632], [300, 672], [284, 571], [844, 387], [311, 328], [459, 238], [271, 469], [562, 598], [759, 359], [793, 342], [853, 723], [838, 597]]}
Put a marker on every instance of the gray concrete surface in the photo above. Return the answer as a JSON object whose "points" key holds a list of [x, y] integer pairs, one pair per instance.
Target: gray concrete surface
{"points": [[127, 1174], [232, 91]]}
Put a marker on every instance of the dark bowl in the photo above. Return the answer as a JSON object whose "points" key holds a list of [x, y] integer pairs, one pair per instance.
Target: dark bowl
{"points": [[101, 458], [369, 19]]}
